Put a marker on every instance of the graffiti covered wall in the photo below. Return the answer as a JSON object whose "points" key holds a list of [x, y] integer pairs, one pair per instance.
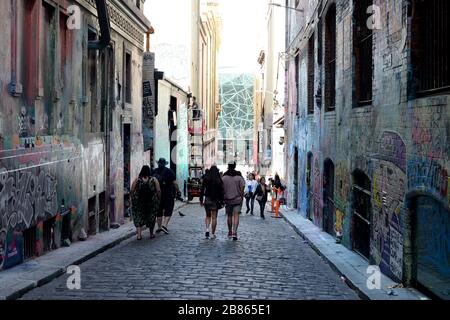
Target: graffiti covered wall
{"points": [[400, 141]]}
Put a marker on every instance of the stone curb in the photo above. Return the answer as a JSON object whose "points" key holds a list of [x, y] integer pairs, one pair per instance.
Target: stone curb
{"points": [[352, 283], [24, 286], [355, 288]]}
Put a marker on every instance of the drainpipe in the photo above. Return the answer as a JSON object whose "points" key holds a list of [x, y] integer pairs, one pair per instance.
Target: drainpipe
{"points": [[105, 28]]}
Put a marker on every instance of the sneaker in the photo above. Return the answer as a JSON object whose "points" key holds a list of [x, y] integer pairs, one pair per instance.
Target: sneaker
{"points": [[159, 230], [207, 235], [235, 237], [213, 237], [230, 235], [165, 230], [152, 237]]}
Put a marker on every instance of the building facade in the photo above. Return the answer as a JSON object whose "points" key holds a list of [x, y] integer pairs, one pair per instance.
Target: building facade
{"points": [[206, 38], [368, 131], [235, 134], [269, 96], [171, 128], [70, 120]]}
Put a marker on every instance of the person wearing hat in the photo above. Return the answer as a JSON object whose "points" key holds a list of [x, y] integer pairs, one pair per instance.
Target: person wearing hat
{"points": [[234, 185], [169, 190]]}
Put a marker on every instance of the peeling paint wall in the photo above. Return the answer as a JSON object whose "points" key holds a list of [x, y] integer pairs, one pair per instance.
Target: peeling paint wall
{"points": [[400, 142]]}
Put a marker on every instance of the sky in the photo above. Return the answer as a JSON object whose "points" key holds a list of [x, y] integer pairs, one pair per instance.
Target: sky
{"points": [[243, 33], [242, 36]]}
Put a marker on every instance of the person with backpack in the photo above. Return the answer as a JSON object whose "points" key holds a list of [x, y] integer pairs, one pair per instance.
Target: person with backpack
{"points": [[145, 198], [211, 198], [169, 191]]}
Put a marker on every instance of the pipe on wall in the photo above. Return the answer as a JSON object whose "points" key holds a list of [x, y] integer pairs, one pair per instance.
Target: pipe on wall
{"points": [[105, 27]]}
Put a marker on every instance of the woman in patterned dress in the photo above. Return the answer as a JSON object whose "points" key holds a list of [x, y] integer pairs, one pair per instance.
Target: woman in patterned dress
{"points": [[145, 195]]}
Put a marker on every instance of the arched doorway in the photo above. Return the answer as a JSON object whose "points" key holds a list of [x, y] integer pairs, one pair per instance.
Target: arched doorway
{"points": [[431, 241], [309, 191], [362, 213], [328, 197]]}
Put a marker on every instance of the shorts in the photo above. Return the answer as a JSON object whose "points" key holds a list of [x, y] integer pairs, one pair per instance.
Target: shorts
{"points": [[233, 208], [166, 209], [210, 205]]}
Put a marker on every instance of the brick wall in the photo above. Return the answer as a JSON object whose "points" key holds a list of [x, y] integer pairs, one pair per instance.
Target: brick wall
{"points": [[401, 144]]}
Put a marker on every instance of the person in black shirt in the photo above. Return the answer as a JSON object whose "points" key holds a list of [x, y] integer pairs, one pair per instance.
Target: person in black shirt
{"points": [[169, 190], [211, 198], [262, 195]]}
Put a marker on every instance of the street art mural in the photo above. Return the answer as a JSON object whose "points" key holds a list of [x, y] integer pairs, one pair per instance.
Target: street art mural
{"points": [[35, 179], [428, 176], [26, 196], [317, 190], [389, 185]]}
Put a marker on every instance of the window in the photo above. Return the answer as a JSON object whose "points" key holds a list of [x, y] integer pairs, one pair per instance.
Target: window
{"points": [[430, 34], [330, 59], [47, 65], [311, 70], [92, 74], [138, 4], [362, 43], [127, 73], [31, 46]]}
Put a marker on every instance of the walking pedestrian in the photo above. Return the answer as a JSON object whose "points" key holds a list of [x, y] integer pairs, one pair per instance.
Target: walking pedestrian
{"points": [[250, 188], [145, 198], [234, 185], [262, 195], [211, 198], [169, 191]]}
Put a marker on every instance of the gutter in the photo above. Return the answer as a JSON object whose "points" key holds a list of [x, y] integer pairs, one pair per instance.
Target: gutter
{"points": [[105, 27]]}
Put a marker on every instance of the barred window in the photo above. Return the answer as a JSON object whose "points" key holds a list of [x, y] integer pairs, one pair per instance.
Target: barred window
{"points": [[311, 70], [430, 37], [362, 46], [330, 59]]}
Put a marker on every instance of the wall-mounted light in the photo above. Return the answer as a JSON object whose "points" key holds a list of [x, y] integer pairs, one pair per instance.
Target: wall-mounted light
{"points": [[291, 8]]}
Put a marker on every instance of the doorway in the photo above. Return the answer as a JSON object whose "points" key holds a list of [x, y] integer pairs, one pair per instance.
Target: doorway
{"points": [[328, 197], [127, 169], [431, 241], [362, 213], [309, 191], [295, 191]]}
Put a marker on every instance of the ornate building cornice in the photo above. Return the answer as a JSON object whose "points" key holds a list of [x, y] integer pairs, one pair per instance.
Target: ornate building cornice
{"points": [[125, 20]]}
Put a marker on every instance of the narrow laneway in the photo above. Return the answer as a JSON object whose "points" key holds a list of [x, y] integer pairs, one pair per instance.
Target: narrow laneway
{"points": [[269, 262]]}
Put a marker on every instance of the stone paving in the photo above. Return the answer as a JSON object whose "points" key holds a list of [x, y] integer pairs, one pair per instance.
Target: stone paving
{"points": [[270, 261]]}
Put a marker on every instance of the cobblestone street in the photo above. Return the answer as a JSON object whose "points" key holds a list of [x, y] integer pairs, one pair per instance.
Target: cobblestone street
{"points": [[270, 261]]}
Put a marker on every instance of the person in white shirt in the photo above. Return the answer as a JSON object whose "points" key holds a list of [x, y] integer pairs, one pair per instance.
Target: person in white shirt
{"points": [[250, 188]]}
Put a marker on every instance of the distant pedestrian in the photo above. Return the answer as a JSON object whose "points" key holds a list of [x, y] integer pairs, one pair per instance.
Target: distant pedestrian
{"points": [[262, 195], [250, 188], [211, 198], [169, 191], [234, 185], [145, 197]]}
